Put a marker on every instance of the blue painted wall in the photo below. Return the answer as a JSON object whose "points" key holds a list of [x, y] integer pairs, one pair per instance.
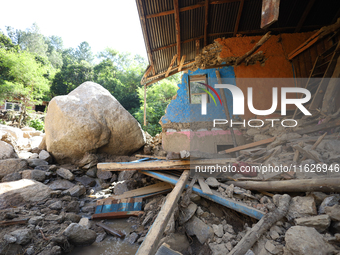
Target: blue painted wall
{"points": [[181, 111]]}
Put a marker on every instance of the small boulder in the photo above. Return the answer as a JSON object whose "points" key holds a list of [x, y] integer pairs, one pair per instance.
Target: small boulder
{"points": [[37, 175], [104, 175], [301, 207], [85, 222], [37, 162], [333, 212], [11, 177], [198, 228], [319, 222], [23, 236], [8, 166], [65, 173], [76, 191], [86, 181], [61, 185], [56, 205], [44, 155], [218, 230], [306, 241], [79, 235], [7, 151]]}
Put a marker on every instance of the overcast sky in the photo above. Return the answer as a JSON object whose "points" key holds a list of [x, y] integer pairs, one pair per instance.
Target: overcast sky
{"points": [[102, 23]]}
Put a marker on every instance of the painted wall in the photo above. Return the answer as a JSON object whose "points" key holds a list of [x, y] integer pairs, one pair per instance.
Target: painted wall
{"points": [[181, 111]]}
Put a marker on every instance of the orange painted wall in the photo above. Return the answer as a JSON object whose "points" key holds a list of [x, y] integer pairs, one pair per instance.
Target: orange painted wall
{"points": [[276, 51]]}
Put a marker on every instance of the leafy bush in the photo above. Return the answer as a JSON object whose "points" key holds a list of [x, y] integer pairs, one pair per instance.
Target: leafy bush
{"points": [[37, 124], [3, 122]]}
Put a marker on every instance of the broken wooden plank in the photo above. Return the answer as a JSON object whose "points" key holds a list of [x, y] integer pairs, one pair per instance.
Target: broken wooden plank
{"points": [[13, 222], [306, 154], [116, 215], [161, 164], [249, 145], [303, 185], [170, 66], [161, 186], [262, 226], [255, 48], [148, 156], [111, 231], [151, 241], [204, 187], [319, 127], [216, 197]]}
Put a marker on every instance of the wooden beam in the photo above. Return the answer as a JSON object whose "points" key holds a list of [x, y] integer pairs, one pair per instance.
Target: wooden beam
{"points": [[240, 8], [170, 66], [178, 31], [188, 8], [226, 110], [304, 16], [249, 145], [197, 47], [304, 185], [181, 63], [151, 241], [111, 231], [206, 11], [255, 48], [337, 15], [144, 104], [145, 33], [320, 127], [116, 215]]}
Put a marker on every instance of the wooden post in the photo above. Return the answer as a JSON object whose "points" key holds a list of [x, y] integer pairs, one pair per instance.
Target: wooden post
{"points": [[226, 110], [151, 241], [197, 47], [206, 9], [144, 104], [178, 31]]}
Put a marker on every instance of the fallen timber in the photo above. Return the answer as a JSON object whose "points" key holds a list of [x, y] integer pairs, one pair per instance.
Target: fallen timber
{"points": [[147, 164], [215, 197]]}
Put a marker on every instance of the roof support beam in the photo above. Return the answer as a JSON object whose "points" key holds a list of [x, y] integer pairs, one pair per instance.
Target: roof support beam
{"points": [[304, 15], [145, 33], [170, 66], [181, 63], [206, 6], [240, 8], [190, 7], [178, 31]]}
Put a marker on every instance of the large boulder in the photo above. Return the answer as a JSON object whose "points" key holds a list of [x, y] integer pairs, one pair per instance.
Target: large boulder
{"points": [[90, 119], [79, 235]]}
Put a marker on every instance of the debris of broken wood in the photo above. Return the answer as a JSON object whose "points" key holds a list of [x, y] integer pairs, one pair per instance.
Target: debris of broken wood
{"points": [[249, 145], [13, 222], [111, 231], [151, 241], [262, 226]]}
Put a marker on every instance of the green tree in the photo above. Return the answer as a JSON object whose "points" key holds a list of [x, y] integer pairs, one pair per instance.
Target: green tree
{"points": [[22, 79], [158, 97], [70, 77], [84, 52]]}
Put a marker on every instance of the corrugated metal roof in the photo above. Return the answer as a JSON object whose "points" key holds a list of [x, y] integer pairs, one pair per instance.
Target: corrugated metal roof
{"points": [[160, 27]]}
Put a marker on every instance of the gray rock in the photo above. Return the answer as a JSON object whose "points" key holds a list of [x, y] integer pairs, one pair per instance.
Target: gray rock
{"points": [[76, 191], [100, 237], [125, 175], [36, 162], [301, 207], [79, 235], [65, 173], [212, 182], [37, 175], [132, 238], [88, 161], [12, 177], [23, 236], [54, 217], [328, 201], [305, 241], [194, 197], [187, 213], [228, 237], [35, 220], [86, 181], [73, 206], [56, 206], [85, 222], [218, 249], [42, 168], [61, 185], [88, 209], [7, 151], [72, 217], [273, 247], [92, 172], [104, 175], [320, 222], [333, 212], [218, 230], [198, 228], [10, 238], [177, 242], [9, 166], [16, 192], [44, 155], [122, 187], [30, 250]]}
